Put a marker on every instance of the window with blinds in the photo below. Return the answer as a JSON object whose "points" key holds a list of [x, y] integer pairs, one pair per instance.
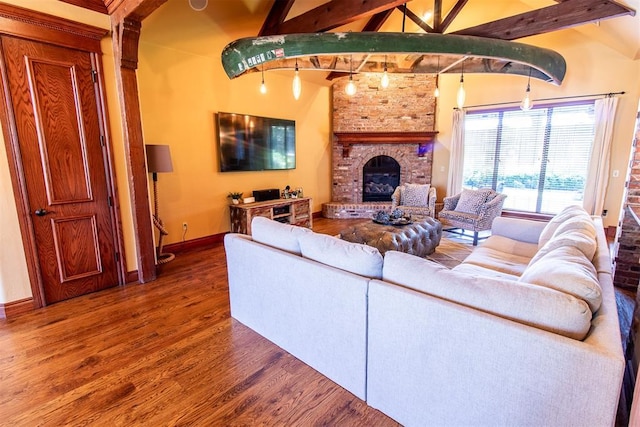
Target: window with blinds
{"points": [[539, 158]]}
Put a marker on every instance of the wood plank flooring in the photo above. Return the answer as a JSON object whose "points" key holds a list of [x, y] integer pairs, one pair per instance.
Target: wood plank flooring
{"points": [[161, 354]]}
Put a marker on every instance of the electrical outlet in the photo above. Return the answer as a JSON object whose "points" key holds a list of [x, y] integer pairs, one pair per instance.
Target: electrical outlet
{"points": [[184, 226]]}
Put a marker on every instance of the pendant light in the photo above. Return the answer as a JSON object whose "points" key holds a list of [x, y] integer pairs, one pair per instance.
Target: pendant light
{"points": [[263, 87], [297, 84], [436, 92], [460, 98], [350, 88], [526, 103], [384, 81]]}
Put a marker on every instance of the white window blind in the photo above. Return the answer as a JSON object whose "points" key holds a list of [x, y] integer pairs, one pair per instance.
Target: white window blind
{"points": [[539, 158]]}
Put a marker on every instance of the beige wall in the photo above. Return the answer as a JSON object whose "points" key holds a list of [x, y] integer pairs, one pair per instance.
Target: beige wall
{"points": [[182, 85]]}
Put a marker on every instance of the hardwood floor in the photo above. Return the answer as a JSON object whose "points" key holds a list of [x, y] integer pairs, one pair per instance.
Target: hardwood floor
{"points": [[163, 353]]}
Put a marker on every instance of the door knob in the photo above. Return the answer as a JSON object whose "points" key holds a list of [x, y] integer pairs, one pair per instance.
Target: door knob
{"points": [[41, 212]]}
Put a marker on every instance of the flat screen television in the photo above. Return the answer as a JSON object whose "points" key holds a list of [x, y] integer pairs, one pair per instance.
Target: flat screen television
{"points": [[253, 143]]}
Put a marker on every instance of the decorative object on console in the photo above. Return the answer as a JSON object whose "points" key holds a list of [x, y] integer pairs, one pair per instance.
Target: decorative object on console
{"points": [[159, 160], [235, 197], [264, 195]]}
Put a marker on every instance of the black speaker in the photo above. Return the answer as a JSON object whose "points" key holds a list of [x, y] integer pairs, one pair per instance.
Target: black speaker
{"points": [[263, 195]]}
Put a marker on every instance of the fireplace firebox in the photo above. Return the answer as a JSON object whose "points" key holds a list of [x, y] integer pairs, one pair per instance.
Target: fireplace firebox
{"points": [[380, 177]]}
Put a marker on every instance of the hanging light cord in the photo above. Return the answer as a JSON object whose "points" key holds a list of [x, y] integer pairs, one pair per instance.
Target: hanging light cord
{"points": [[596, 95]]}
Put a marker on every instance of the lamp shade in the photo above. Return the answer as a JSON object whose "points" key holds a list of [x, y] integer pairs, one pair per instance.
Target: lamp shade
{"points": [[158, 158]]}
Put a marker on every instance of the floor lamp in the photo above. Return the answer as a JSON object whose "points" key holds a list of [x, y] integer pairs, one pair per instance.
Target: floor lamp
{"points": [[159, 160]]}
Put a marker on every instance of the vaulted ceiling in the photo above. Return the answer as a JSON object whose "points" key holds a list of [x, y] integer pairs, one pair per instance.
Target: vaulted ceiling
{"points": [[326, 15]]}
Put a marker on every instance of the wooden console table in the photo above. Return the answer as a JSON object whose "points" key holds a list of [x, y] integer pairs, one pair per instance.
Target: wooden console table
{"points": [[288, 211]]}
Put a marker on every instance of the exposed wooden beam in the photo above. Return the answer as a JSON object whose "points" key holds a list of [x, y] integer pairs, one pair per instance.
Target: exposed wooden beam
{"points": [[276, 16], [95, 5], [125, 48], [376, 21], [437, 16], [415, 18], [566, 14], [335, 14], [453, 13], [132, 9]]}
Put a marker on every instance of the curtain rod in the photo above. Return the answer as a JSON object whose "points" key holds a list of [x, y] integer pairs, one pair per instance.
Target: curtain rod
{"points": [[607, 95]]}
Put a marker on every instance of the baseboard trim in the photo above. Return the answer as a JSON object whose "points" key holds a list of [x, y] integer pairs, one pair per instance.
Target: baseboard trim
{"points": [[189, 245], [12, 309]]}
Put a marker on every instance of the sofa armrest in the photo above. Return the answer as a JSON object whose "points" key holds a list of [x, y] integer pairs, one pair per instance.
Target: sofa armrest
{"points": [[523, 230], [432, 201], [395, 197]]}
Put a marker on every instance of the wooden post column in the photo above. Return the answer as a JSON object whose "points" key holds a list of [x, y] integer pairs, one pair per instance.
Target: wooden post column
{"points": [[126, 34]]}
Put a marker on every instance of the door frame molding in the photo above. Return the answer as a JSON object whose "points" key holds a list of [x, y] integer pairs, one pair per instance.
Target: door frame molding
{"points": [[37, 26]]}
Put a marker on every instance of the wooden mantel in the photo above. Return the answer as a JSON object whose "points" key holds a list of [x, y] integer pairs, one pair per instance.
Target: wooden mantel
{"points": [[347, 139]]}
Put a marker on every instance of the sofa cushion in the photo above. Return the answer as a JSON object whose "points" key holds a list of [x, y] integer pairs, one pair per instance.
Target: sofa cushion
{"points": [[414, 195], [511, 246], [498, 260], [471, 200], [576, 238], [525, 303], [569, 212], [476, 270], [353, 257], [276, 234], [567, 269]]}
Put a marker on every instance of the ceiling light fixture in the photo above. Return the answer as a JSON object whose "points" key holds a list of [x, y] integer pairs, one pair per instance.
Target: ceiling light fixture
{"points": [[350, 88], [526, 103], [460, 98], [263, 87], [297, 84], [384, 81]]}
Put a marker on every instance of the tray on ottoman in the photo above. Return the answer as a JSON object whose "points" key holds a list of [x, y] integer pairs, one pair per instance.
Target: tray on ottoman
{"points": [[420, 238]]}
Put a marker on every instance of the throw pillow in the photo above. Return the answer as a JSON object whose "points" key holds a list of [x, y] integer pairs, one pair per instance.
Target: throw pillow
{"points": [[471, 200], [567, 270], [415, 195], [567, 213], [276, 234], [353, 257]]}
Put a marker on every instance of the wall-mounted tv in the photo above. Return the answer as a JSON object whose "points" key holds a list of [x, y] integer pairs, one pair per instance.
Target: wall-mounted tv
{"points": [[253, 143]]}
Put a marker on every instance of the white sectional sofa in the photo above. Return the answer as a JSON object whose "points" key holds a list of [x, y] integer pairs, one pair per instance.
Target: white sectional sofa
{"points": [[524, 332]]}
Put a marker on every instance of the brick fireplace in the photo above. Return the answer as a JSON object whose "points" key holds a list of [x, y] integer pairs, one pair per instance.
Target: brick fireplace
{"points": [[397, 122]]}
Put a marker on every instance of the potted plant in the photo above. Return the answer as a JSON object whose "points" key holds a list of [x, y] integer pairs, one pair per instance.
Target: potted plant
{"points": [[235, 197]]}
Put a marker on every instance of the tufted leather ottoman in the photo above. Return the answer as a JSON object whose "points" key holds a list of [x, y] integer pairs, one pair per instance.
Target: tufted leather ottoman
{"points": [[419, 238]]}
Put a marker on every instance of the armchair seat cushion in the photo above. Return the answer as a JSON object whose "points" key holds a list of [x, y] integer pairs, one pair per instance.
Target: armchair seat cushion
{"points": [[464, 217]]}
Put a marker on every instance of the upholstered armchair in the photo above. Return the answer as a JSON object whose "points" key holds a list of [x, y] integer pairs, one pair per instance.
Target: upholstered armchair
{"points": [[472, 210], [415, 199]]}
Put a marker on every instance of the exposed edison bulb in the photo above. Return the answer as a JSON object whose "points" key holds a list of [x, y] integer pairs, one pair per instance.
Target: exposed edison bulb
{"points": [[461, 93], [350, 88], [526, 103], [297, 84], [263, 88], [384, 81], [436, 93]]}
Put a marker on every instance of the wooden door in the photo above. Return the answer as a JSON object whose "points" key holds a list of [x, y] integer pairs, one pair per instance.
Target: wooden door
{"points": [[64, 167]]}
